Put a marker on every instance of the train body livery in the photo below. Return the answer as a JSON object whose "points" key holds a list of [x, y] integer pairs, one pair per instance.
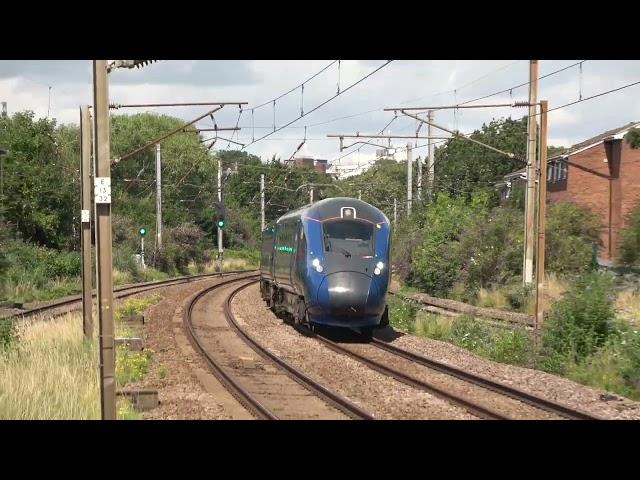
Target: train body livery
{"points": [[328, 264]]}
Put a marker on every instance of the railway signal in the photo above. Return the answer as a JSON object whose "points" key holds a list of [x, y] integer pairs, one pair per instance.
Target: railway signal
{"points": [[219, 212]]}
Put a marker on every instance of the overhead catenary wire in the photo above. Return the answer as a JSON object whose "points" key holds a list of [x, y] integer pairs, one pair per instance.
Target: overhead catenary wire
{"points": [[510, 89], [319, 106], [294, 88]]}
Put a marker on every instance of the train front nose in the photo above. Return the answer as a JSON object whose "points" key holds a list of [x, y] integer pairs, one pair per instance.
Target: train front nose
{"points": [[349, 294]]}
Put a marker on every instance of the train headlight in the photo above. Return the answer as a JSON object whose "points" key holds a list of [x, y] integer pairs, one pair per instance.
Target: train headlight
{"points": [[380, 265], [316, 265], [377, 271]]}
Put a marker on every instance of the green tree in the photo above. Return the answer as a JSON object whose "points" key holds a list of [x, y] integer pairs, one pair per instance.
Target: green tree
{"points": [[41, 179], [380, 184], [633, 137], [570, 233], [461, 166], [188, 172]]}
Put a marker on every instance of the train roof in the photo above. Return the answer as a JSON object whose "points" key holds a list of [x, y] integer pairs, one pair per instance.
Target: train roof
{"points": [[332, 208]]}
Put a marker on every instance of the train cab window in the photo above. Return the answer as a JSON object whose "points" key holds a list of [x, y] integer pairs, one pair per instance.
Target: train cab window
{"points": [[348, 237]]}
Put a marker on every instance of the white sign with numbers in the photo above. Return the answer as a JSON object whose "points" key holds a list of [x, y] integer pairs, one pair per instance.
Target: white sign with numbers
{"points": [[102, 189], [84, 216]]}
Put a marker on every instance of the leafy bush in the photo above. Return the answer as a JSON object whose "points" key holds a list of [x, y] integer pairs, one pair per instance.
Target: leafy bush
{"points": [[518, 295], [131, 366], [8, 333], [37, 273], [454, 247], [570, 234], [437, 262], [630, 239], [491, 248], [579, 323], [182, 245]]}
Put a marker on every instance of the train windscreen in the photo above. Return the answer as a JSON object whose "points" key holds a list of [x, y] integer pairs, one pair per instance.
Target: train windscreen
{"points": [[348, 237]]}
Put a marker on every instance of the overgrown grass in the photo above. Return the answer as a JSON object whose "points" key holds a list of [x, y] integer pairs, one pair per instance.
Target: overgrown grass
{"points": [[628, 306], [25, 290], [132, 366], [515, 297], [229, 264], [49, 371], [251, 256], [492, 298], [401, 314]]}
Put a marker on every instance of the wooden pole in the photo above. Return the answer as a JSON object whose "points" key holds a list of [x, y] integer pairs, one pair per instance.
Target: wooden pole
{"points": [[85, 220]]}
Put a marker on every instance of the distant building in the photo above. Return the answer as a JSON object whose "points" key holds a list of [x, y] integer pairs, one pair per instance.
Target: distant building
{"points": [[320, 165], [601, 173]]}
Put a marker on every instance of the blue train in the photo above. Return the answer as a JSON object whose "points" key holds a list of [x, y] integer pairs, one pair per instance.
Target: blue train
{"points": [[328, 264]]}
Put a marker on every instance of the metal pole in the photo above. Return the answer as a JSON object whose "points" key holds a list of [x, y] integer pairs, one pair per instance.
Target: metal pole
{"points": [[2, 154], [220, 253], [104, 264], [311, 195], [158, 198], [542, 196], [85, 219], [409, 180], [431, 171], [262, 201], [530, 205], [142, 251], [419, 179], [359, 194], [395, 212]]}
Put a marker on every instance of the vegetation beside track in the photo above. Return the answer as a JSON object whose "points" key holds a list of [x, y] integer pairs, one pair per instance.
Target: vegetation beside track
{"points": [[590, 335], [49, 371]]}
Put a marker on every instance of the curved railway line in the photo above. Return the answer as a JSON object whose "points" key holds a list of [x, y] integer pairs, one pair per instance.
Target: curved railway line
{"points": [[248, 387], [266, 394]]}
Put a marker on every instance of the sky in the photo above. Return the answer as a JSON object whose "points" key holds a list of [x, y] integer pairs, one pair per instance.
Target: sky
{"points": [[57, 88]]}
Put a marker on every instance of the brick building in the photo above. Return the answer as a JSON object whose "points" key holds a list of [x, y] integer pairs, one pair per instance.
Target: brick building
{"points": [[319, 165], [601, 173]]}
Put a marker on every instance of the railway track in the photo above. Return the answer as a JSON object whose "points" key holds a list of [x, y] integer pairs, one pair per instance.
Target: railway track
{"points": [[119, 292], [512, 392], [254, 388], [452, 395], [461, 388]]}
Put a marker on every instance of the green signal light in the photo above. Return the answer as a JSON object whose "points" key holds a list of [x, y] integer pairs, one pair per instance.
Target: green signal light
{"points": [[220, 223], [142, 232]]}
